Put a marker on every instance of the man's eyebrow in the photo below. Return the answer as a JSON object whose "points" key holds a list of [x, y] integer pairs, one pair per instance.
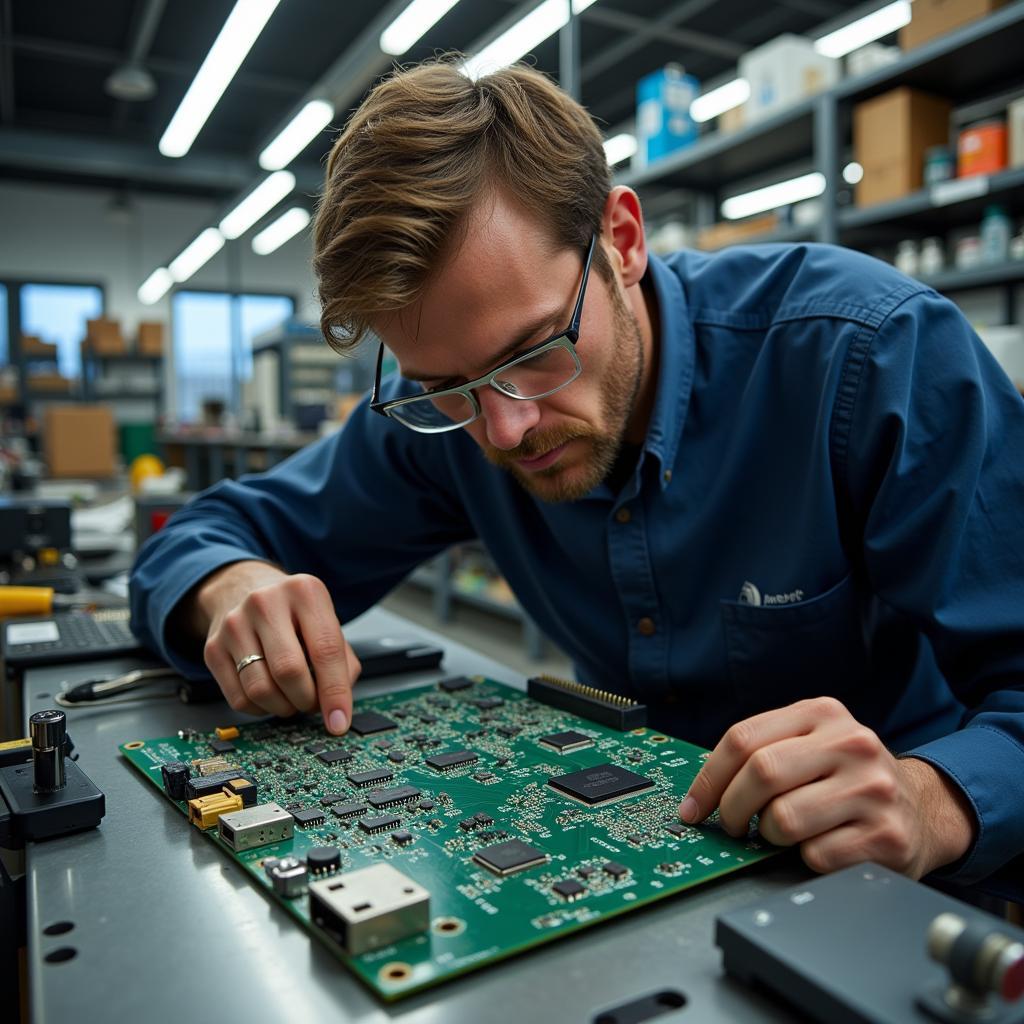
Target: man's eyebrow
{"points": [[528, 332]]}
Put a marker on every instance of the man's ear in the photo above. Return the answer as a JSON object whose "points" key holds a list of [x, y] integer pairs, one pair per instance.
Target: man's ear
{"points": [[622, 234]]}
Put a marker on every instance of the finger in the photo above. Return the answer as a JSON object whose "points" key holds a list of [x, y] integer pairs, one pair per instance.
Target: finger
{"points": [[839, 848], [736, 746], [810, 811], [256, 681], [770, 771], [220, 664], [286, 660], [329, 654]]}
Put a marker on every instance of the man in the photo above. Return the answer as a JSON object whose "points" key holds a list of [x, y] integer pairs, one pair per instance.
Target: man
{"points": [[774, 493]]}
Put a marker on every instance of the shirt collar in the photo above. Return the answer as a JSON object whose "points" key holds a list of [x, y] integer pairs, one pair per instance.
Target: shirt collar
{"points": [[675, 368]]}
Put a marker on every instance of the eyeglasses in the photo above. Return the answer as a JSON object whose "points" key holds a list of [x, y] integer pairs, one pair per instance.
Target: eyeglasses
{"points": [[541, 370]]}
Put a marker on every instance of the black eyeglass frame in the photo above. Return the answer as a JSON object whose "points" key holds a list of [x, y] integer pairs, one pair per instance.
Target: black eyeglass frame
{"points": [[566, 339]]}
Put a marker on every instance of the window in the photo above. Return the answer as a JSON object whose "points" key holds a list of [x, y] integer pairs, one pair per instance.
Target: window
{"points": [[57, 313], [212, 336]]}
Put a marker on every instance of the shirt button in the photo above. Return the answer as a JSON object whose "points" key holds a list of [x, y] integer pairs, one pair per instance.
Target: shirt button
{"points": [[623, 515], [668, 475], [645, 627]]}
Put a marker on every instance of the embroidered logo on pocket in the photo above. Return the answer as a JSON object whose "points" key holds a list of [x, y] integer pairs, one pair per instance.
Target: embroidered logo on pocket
{"points": [[749, 594]]}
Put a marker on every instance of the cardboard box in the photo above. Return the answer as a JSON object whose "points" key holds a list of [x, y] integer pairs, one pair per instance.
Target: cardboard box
{"points": [[33, 347], [782, 72], [890, 134], [663, 122], [49, 381], [932, 18], [150, 340], [1015, 129], [732, 232], [103, 337], [79, 440]]}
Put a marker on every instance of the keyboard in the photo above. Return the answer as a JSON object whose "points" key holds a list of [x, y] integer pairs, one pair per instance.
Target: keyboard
{"points": [[67, 636]]}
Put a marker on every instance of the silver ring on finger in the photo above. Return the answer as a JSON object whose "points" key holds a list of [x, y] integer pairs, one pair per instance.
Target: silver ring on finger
{"points": [[248, 660]]}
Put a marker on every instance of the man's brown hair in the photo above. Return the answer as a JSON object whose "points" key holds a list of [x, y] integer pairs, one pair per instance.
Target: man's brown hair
{"points": [[423, 148]]}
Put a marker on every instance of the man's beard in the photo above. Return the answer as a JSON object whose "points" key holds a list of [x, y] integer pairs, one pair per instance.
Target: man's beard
{"points": [[618, 394]]}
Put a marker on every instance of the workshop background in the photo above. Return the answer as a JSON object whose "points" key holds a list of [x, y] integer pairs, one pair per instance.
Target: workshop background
{"points": [[159, 163]]}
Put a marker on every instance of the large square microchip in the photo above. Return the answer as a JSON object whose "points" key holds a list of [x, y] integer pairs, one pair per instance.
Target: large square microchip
{"points": [[508, 858], [365, 723], [600, 784]]}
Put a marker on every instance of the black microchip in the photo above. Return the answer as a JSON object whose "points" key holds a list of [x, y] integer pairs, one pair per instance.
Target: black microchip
{"points": [[483, 818], [338, 756], [394, 795], [371, 777], [484, 776], [600, 784], [614, 868], [222, 746], [454, 759], [636, 839], [455, 683], [467, 824], [509, 730], [347, 810], [426, 805], [365, 723], [586, 871], [331, 798], [677, 830], [488, 703], [427, 719], [402, 837], [322, 859], [400, 714], [564, 742], [261, 762], [508, 858], [396, 756], [383, 744], [570, 889], [379, 822], [308, 816], [314, 748]]}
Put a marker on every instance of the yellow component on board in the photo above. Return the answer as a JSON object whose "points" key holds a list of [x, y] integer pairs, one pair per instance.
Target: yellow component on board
{"points": [[227, 732], [204, 811]]}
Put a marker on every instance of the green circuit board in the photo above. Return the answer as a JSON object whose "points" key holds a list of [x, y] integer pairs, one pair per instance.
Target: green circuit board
{"points": [[469, 788]]}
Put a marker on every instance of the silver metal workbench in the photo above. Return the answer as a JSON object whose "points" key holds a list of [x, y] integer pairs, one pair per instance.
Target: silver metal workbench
{"points": [[164, 928]]}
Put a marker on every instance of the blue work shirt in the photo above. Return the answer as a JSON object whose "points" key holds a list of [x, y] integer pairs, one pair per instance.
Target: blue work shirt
{"points": [[829, 500]]}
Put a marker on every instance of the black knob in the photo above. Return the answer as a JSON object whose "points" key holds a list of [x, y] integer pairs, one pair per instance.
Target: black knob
{"points": [[47, 730]]}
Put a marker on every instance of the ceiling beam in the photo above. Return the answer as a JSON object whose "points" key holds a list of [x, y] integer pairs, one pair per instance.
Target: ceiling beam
{"points": [[683, 37], [136, 164], [625, 47], [6, 65]]}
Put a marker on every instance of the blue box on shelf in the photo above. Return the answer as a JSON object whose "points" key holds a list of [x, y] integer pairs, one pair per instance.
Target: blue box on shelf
{"points": [[663, 121]]}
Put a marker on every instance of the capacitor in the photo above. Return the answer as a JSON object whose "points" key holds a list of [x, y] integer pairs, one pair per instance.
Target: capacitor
{"points": [[47, 730]]}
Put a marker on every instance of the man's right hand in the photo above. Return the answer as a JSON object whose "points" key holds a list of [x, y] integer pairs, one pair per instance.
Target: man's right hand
{"points": [[255, 608]]}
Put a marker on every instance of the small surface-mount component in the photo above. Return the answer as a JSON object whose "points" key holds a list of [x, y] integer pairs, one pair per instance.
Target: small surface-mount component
{"points": [[338, 756], [331, 798], [308, 817], [210, 765], [676, 829], [316, 747], [484, 776], [425, 805], [370, 908], [222, 746], [510, 857], [483, 818], [288, 876], [600, 784], [349, 810], [322, 860], [396, 756], [256, 826], [379, 822], [615, 869], [366, 723], [403, 837], [453, 759], [175, 775], [245, 788], [598, 705], [227, 732], [389, 797], [585, 871], [569, 889], [198, 786], [370, 778], [489, 703], [454, 684], [566, 742], [636, 838], [204, 811]]}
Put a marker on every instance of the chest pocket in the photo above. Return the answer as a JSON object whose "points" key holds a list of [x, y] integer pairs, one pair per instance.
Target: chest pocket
{"points": [[784, 653]]}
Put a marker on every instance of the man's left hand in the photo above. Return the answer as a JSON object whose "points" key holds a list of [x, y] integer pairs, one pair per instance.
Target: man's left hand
{"points": [[820, 779]]}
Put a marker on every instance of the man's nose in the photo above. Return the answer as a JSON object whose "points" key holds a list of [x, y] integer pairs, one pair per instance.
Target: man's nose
{"points": [[507, 419]]}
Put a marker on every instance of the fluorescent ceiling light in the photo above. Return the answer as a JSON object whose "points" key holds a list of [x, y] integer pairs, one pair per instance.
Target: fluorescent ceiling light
{"points": [[412, 23], [619, 148], [303, 128], [719, 100], [244, 24], [210, 242], [852, 173], [155, 286], [780, 194], [274, 235], [261, 200], [864, 30], [543, 21]]}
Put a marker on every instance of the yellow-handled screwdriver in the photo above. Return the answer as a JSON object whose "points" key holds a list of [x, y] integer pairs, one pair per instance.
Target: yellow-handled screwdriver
{"points": [[33, 601]]}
